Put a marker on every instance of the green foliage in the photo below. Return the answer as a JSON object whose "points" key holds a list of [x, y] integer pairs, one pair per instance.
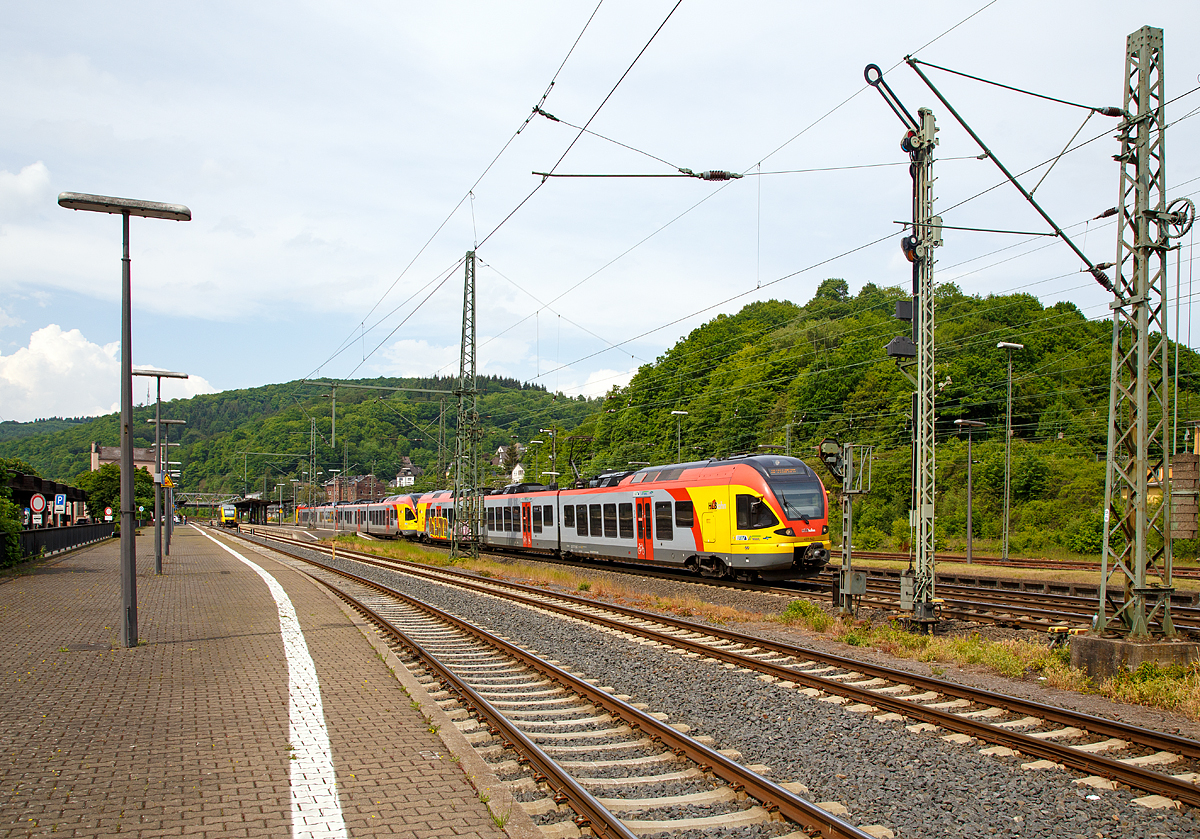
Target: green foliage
{"points": [[806, 613], [104, 489]]}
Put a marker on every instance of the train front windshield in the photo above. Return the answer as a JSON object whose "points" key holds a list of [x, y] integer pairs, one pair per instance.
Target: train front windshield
{"points": [[801, 501]]}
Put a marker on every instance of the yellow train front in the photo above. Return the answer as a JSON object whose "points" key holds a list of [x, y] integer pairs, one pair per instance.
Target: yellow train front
{"points": [[754, 517]]}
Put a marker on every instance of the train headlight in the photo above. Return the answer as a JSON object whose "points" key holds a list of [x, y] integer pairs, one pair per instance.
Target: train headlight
{"points": [[785, 531], [824, 529]]}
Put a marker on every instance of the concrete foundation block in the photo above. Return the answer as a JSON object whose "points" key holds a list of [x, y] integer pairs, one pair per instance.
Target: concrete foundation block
{"points": [[1101, 657]]}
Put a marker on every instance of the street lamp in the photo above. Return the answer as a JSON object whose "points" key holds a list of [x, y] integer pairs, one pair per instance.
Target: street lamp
{"points": [[970, 425], [537, 458], [126, 207], [169, 502], [679, 415], [159, 375], [1009, 346], [553, 448]]}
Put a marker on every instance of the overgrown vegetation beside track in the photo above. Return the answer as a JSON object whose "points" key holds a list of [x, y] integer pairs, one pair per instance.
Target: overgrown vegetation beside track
{"points": [[1175, 689]]}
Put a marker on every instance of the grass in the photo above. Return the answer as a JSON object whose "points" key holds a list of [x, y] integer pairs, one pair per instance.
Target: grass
{"points": [[1173, 689]]}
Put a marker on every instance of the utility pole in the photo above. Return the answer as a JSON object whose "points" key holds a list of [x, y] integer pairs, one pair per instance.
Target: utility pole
{"points": [[920, 138], [1137, 535], [1007, 345], [441, 461], [467, 500]]}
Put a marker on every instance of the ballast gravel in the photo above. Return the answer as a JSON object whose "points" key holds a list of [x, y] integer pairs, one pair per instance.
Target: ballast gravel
{"points": [[915, 784]]}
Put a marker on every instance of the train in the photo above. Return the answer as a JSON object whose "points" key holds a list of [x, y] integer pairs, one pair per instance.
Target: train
{"points": [[228, 515], [747, 517]]}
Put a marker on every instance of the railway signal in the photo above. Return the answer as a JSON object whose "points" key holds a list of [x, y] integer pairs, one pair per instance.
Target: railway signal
{"points": [[839, 460]]}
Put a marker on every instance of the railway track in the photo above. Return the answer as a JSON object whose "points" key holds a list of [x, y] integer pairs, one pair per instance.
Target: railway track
{"points": [[986, 601], [1017, 562], [1105, 752], [621, 768]]}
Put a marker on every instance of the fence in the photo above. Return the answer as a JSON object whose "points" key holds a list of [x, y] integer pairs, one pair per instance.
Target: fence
{"points": [[53, 540]]}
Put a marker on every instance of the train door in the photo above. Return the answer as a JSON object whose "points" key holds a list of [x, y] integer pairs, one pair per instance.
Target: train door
{"points": [[527, 524], [645, 529]]}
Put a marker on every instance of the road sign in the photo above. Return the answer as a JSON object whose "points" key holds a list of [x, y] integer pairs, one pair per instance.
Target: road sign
{"points": [[108, 513], [167, 482], [37, 518], [60, 502], [141, 509], [38, 504]]}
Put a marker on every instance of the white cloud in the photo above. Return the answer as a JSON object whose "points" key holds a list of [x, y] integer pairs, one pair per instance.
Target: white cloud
{"points": [[59, 374], [171, 388], [26, 192], [62, 373], [408, 357], [599, 383], [8, 320]]}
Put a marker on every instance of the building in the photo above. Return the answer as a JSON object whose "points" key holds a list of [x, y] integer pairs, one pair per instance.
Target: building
{"points": [[103, 455], [346, 490], [408, 474]]}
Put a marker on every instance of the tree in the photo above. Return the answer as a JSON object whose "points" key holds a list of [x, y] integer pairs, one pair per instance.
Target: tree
{"points": [[104, 488]]}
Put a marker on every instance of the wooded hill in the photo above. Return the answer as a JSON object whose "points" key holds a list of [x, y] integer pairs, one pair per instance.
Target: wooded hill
{"points": [[772, 373]]}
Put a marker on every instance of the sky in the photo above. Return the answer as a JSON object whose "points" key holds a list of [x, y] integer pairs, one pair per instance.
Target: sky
{"points": [[340, 159]]}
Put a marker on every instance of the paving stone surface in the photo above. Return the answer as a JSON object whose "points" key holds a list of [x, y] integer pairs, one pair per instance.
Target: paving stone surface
{"points": [[187, 734]]}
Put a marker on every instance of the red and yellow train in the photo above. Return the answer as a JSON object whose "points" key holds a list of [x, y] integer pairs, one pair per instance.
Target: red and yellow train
{"points": [[751, 517]]}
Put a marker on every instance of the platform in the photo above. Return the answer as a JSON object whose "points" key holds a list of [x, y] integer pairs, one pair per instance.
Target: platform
{"points": [[198, 731]]}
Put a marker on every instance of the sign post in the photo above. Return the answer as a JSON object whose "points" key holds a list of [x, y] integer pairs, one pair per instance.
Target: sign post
{"points": [[38, 505]]}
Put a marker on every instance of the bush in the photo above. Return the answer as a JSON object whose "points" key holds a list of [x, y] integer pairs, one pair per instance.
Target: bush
{"points": [[1085, 535], [869, 538], [808, 614]]}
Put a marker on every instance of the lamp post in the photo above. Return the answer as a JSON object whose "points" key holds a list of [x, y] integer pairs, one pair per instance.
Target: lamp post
{"points": [[1009, 346], [970, 425], [159, 375], [294, 481], [537, 457], [126, 207], [553, 450], [679, 415], [169, 502]]}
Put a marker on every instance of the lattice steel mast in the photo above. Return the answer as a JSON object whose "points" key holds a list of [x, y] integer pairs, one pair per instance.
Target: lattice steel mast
{"points": [[917, 589], [468, 505], [1137, 543]]}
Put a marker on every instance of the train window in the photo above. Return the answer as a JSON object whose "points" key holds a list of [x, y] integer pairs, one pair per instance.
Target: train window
{"points": [[684, 516], [638, 478], [662, 520], [408, 515], [625, 520], [610, 521], [581, 520], [491, 518], [450, 516], [670, 474], [508, 519], [753, 513], [548, 516], [537, 519], [596, 519], [569, 515]]}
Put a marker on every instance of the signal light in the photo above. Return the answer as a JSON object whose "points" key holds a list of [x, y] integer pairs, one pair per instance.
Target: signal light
{"points": [[909, 142], [909, 245], [830, 452]]}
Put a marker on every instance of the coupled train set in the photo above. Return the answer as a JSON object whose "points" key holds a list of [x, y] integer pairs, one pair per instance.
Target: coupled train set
{"points": [[750, 517]]}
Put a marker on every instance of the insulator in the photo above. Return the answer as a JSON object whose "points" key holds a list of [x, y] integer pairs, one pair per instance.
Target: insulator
{"points": [[717, 175], [1110, 111], [1111, 211]]}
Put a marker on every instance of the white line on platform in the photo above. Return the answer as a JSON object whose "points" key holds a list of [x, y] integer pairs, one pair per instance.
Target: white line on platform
{"points": [[316, 810]]}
